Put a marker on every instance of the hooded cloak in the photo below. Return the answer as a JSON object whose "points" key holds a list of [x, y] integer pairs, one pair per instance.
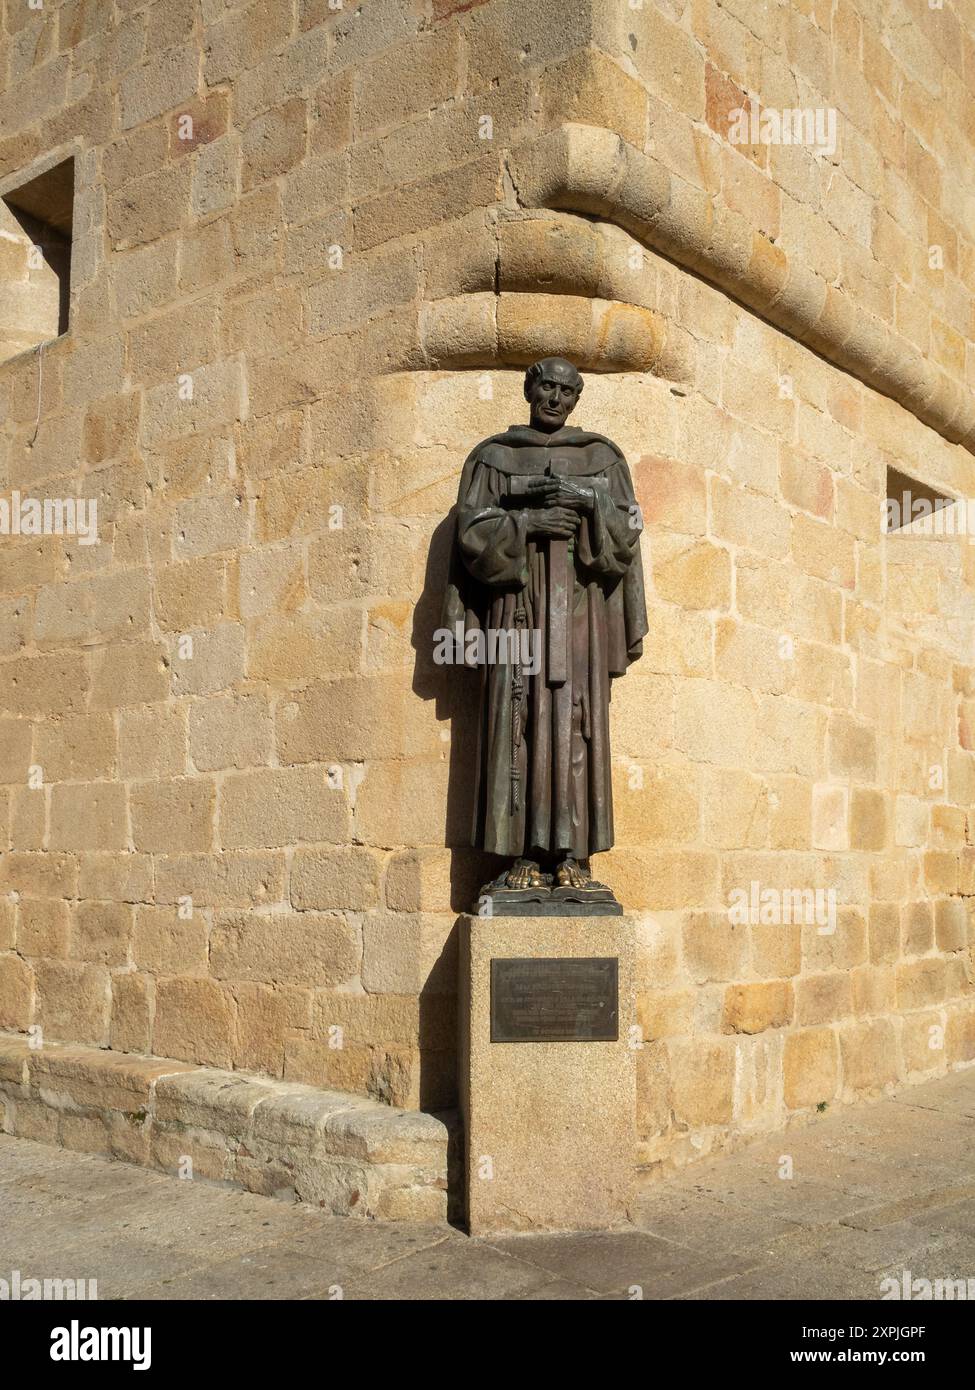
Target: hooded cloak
{"points": [[543, 773]]}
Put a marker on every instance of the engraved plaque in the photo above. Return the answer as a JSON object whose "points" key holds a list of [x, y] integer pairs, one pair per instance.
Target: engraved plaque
{"points": [[560, 999]]}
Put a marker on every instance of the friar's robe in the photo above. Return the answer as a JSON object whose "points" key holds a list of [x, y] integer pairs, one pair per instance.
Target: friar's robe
{"points": [[543, 775]]}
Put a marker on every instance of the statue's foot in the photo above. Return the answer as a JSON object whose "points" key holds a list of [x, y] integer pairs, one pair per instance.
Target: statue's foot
{"points": [[571, 874], [525, 873]]}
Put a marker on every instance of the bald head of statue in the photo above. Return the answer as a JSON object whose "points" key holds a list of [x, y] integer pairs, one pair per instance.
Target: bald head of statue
{"points": [[552, 389]]}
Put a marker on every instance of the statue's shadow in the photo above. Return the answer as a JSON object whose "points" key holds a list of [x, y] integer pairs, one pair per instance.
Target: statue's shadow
{"points": [[455, 691]]}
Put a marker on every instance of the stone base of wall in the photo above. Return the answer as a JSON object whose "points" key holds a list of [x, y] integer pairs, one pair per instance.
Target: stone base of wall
{"points": [[349, 1156]]}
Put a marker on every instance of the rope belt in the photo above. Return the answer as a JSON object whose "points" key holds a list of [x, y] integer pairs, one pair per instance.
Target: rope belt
{"points": [[519, 700]]}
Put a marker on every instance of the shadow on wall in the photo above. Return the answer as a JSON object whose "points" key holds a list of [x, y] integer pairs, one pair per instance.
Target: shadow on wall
{"points": [[456, 691]]}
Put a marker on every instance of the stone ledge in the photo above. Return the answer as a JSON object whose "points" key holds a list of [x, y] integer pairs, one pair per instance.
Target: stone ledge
{"points": [[591, 170], [514, 329], [346, 1155]]}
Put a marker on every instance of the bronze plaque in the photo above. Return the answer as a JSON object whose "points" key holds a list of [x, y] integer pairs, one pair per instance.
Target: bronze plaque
{"points": [[560, 999]]}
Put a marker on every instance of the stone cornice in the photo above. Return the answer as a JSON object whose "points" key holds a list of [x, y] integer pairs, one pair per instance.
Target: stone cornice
{"points": [[485, 329], [587, 169]]}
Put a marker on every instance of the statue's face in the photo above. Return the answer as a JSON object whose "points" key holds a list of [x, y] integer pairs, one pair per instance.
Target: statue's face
{"points": [[553, 397]]}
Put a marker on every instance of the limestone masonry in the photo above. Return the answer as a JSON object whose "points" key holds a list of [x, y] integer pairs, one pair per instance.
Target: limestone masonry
{"points": [[267, 272]]}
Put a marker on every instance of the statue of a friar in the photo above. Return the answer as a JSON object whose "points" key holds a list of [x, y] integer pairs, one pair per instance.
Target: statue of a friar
{"points": [[546, 559]]}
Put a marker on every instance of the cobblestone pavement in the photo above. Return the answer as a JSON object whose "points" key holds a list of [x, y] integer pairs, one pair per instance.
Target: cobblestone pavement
{"points": [[875, 1190]]}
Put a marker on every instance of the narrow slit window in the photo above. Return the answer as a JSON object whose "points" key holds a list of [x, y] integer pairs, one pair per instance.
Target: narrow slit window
{"points": [[909, 500], [36, 222]]}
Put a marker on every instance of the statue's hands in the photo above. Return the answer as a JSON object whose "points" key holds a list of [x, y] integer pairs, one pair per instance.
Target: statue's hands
{"points": [[554, 521], [558, 506], [548, 489], [541, 489], [577, 496]]}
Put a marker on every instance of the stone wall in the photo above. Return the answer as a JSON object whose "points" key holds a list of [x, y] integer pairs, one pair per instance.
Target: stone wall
{"points": [[313, 249]]}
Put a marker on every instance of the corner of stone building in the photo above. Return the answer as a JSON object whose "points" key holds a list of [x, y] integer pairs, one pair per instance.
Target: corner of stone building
{"points": [[290, 320]]}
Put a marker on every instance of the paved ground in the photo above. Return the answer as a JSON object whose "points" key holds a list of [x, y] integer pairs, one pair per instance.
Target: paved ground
{"points": [[875, 1190]]}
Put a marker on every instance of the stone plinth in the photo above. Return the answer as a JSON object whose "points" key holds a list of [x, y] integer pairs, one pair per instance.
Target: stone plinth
{"points": [[549, 1125], [342, 1154]]}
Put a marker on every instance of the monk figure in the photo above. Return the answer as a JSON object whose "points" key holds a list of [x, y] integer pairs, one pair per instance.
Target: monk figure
{"points": [[547, 555]]}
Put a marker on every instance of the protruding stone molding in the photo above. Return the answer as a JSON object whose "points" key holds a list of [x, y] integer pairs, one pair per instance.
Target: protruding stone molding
{"points": [[488, 330], [554, 281], [591, 170]]}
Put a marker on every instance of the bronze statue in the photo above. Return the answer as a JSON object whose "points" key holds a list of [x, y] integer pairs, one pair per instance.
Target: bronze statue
{"points": [[547, 556]]}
